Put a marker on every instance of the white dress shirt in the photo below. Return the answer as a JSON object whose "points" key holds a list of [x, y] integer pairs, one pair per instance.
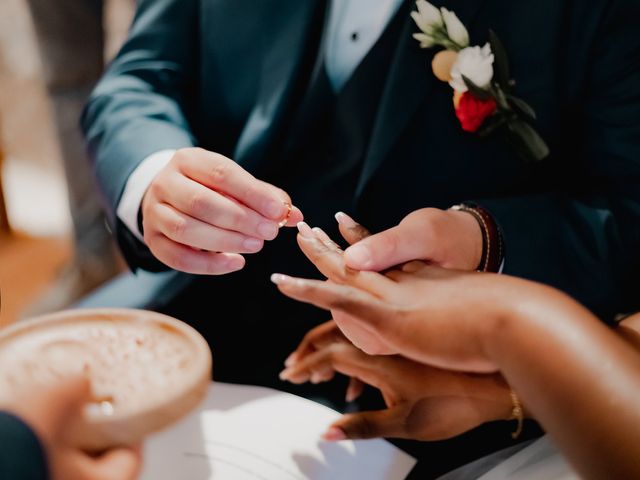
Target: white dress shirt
{"points": [[354, 27]]}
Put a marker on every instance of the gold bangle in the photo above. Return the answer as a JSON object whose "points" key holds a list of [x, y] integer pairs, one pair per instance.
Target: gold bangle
{"points": [[517, 413]]}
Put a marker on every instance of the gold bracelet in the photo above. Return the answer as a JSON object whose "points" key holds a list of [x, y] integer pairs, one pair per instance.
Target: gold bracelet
{"points": [[517, 413]]}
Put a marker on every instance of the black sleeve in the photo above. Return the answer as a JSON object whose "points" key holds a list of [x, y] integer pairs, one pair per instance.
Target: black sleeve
{"points": [[22, 456], [587, 241], [137, 107]]}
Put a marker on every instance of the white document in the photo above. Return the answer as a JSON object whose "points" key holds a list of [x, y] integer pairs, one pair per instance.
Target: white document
{"points": [[254, 433]]}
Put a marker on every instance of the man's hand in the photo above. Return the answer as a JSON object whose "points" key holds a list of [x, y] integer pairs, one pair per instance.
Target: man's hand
{"points": [[446, 238], [49, 411], [424, 403], [203, 210]]}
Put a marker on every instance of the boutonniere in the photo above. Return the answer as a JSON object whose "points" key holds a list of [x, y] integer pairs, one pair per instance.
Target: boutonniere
{"points": [[480, 78]]}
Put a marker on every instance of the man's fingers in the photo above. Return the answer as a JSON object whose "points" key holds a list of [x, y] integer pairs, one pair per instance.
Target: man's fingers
{"points": [[351, 231], [224, 175], [389, 423], [295, 217], [189, 231], [211, 207], [185, 259], [329, 261]]}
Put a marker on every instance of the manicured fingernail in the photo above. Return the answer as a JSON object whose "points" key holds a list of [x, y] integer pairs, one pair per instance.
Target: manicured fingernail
{"points": [[334, 434], [305, 230], [291, 360], [280, 279], [268, 230], [252, 244], [359, 256], [320, 235], [284, 375], [275, 209], [344, 219], [316, 377]]}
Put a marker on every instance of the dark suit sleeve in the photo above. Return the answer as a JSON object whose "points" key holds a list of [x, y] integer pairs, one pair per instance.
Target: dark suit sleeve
{"points": [[21, 454], [586, 241], [138, 107]]}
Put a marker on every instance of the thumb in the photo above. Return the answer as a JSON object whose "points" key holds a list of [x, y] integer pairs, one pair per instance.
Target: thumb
{"points": [[49, 408], [68, 395], [389, 423], [387, 249], [117, 464]]}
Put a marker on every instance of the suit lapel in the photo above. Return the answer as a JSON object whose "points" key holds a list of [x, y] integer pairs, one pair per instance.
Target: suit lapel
{"points": [[287, 36], [409, 82]]}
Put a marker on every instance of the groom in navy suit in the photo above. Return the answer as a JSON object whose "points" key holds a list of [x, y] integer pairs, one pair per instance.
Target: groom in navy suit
{"points": [[332, 105]]}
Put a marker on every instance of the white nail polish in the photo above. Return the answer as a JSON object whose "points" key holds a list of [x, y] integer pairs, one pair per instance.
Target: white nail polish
{"points": [[305, 230], [280, 279], [345, 220]]}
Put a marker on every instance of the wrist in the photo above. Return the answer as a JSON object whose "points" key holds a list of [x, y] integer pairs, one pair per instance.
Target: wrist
{"points": [[491, 241], [472, 238]]}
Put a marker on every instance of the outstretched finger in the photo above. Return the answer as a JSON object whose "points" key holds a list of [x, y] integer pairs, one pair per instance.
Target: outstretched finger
{"points": [[330, 262], [389, 423], [364, 307]]}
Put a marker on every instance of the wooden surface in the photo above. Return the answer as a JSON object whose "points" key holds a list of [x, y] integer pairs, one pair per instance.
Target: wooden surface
{"points": [[27, 266]]}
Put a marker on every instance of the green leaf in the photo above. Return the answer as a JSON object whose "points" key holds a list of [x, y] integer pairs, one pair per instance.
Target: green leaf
{"points": [[523, 107], [530, 144], [501, 61], [501, 98], [494, 123], [476, 90]]}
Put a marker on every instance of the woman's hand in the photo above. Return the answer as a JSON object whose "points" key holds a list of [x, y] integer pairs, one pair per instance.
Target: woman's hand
{"points": [[429, 314], [424, 403], [367, 341], [49, 412]]}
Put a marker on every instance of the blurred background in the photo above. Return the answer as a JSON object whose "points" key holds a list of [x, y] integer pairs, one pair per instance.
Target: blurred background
{"points": [[42, 265]]}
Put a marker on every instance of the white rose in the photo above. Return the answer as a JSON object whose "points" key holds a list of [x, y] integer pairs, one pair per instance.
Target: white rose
{"points": [[475, 63], [455, 29], [427, 17]]}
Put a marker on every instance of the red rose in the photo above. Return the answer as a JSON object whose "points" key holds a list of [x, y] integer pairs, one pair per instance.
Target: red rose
{"points": [[472, 112]]}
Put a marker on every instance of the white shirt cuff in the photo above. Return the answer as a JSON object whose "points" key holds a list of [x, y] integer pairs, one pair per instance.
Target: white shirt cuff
{"points": [[136, 187]]}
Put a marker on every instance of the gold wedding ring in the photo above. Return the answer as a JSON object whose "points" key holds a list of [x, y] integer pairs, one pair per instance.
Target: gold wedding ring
{"points": [[287, 216]]}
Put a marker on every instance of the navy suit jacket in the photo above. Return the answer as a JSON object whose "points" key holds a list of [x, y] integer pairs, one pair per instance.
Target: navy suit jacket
{"points": [[221, 74], [22, 456]]}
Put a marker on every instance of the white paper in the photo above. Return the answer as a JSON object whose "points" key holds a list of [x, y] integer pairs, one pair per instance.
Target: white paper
{"points": [[254, 433]]}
